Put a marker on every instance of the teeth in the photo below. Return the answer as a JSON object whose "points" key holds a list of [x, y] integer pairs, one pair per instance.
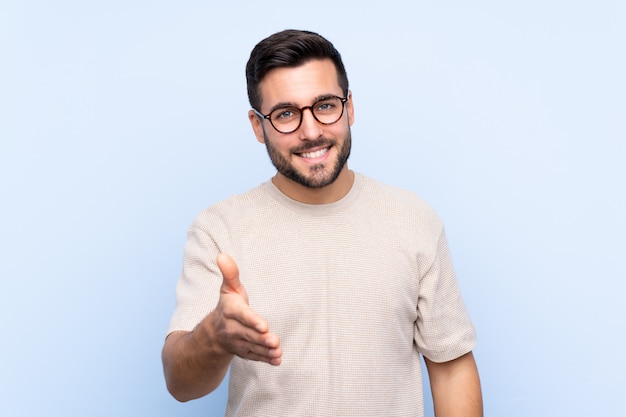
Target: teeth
{"points": [[316, 154]]}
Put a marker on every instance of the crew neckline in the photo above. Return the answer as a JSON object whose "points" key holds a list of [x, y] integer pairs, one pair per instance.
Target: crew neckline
{"points": [[316, 209]]}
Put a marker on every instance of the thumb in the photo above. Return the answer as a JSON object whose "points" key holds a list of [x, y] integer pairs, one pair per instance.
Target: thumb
{"points": [[230, 273]]}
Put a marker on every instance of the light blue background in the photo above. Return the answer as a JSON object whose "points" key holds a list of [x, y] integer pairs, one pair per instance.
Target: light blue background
{"points": [[121, 120]]}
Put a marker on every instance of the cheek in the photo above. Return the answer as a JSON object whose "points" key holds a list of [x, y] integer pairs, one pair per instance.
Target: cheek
{"points": [[339, 131], [274, 147]]}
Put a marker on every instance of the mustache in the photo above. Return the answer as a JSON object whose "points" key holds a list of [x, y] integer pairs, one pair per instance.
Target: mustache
{"points": [[319, 143]]}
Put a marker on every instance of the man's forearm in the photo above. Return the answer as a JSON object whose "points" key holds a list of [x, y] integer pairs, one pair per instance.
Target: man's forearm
{"points": [[455, 387], [192, 369]]}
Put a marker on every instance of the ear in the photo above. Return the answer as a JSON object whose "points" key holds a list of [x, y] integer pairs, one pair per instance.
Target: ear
{"points": [[257, 126], [350, 108]]}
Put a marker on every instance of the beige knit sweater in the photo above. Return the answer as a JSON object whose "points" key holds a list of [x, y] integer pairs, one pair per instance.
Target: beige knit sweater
{"points": [[355, 290]]}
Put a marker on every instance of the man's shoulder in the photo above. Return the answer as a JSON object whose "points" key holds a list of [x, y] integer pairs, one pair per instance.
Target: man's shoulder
{"points": [[401, 198], [237, 205], [403, 212], [253, 196]]}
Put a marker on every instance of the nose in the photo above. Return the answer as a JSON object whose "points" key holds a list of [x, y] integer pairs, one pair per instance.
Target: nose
{"points": [[310, 129]]}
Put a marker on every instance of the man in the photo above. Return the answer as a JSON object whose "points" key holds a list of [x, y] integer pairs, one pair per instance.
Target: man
{"points": [[320, 288]]}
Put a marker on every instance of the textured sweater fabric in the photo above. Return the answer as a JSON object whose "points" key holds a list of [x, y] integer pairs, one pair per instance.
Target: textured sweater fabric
{"points": [[356, 290]]}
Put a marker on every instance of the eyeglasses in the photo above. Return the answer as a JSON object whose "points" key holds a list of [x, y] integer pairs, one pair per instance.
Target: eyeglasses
{"points": [[288, 119]]}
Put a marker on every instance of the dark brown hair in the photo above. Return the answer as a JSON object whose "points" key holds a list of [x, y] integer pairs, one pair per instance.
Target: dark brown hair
{"points": [[289, 48]]}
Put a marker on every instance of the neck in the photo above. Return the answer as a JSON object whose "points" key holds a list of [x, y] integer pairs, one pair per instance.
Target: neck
{"points": [[325, 195]]}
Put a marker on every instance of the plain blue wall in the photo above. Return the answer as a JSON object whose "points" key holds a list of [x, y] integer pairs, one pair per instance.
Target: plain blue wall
{"points": [[121, 120]]}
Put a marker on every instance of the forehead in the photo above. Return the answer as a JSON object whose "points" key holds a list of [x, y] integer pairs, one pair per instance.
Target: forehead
{"points": [[299, 85]]}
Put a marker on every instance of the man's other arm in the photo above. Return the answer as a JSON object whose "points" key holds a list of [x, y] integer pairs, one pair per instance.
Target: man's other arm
{"points": [[455, 387]]}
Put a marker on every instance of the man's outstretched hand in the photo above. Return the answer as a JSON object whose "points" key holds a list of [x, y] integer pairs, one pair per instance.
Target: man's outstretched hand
{"points": [[195, 362], [238, 328]]}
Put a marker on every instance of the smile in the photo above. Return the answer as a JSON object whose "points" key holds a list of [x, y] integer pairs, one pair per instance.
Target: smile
{"points": [[316, 154]]}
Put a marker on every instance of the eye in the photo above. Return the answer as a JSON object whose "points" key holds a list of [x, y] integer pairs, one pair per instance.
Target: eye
{"points": [[325, 106], [285, 114]]}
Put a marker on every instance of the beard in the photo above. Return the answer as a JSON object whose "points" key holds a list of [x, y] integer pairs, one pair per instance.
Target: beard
{"points": [[319, 175]]}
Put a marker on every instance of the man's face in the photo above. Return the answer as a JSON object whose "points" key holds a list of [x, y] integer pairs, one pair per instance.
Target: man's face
{"points": [[315, 154]]}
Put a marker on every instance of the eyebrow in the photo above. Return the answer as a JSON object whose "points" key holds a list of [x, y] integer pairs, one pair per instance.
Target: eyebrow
{"points": [[291, 104]]}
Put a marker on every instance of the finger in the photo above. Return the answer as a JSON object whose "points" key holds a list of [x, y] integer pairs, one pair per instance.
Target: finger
{"points": [[264, 340], [257, 352], [261, 350], [230, 272], [267, 359], [238, 330]]}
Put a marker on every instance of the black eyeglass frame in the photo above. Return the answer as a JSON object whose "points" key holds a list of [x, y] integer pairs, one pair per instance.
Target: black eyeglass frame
{"points": [[343, 100]]}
